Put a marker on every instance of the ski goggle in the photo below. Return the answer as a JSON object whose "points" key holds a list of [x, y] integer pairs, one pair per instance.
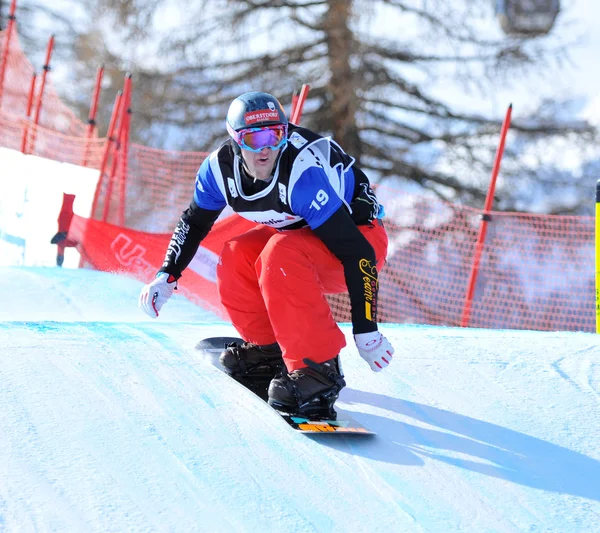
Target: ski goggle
{"points": [[255, 139]]}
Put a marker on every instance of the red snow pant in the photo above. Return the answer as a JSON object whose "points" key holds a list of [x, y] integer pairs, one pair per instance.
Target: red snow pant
{"points": [[273, 286]]}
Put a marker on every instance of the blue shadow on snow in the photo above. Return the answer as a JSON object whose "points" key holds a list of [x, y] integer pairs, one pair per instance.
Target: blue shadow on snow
{"points": [[509, 455]]}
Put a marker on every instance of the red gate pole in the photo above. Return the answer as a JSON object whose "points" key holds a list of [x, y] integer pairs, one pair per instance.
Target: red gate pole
{"points": [[92, 116], [40, 98], [64, 222], [7, 38], [485, 218]]}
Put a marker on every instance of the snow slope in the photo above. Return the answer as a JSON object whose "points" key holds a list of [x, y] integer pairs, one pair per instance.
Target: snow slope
{"points": [[110, 422]]}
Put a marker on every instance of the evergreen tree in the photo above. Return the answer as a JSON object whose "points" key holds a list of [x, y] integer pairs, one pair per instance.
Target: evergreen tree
{"points": [[378, 70]]}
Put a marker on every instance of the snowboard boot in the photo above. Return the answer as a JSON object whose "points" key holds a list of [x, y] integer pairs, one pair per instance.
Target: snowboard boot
{"points": [[252, 365], [250, 361], [309, 392]]}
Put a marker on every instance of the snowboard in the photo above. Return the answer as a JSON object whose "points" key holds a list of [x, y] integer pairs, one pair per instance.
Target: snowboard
{"points": [[210, 349]]}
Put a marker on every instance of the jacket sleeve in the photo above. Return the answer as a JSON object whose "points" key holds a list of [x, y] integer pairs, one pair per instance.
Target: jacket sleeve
{"points": [[340, 234], [193, 226]]}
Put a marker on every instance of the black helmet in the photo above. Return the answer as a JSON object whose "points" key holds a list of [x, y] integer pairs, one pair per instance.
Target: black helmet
{"points": [[255, 109]]}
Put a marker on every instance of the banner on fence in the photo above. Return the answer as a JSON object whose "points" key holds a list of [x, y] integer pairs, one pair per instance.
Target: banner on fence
{"points": [[139, 254]]}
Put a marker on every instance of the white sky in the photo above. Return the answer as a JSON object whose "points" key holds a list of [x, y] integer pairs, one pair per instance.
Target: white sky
{"points": [[109, 421], [579, 21], [586, 75], [581, 78]]}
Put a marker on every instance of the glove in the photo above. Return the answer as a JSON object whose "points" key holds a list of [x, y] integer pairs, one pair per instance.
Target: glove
{"points": [[375, 349], [155, 294]]}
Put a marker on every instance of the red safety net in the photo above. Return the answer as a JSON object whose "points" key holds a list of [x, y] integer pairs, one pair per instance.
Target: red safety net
{"points": [[50, 144], [160, 185], [54, 114], [536, 271]]}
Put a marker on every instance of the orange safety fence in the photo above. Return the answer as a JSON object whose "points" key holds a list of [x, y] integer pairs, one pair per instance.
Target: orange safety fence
{"points": [[536, 271], [48, 143], [160, 187], [54, 113]]}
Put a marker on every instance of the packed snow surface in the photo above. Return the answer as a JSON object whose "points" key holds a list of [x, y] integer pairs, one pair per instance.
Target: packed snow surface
{"points": [[110, 421]]}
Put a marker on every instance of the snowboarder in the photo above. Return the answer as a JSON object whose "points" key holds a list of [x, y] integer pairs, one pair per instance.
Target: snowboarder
{"points": [[319, 232]]}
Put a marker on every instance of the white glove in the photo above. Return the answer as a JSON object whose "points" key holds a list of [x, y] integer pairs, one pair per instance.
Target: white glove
{"points": [[155, 294], [375, 349]]}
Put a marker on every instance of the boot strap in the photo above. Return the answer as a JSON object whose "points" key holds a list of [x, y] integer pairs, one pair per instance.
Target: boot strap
{"points": [[333, 376]]}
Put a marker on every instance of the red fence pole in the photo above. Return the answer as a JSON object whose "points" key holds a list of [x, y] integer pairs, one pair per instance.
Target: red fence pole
{"points": [[92, 116], [40, 98], [112, 126], [294, 102], [7, 38], [117, 151], [124, 141], [29, 106], [485, 218], [297, 112], [111, 178], [109, 142]]}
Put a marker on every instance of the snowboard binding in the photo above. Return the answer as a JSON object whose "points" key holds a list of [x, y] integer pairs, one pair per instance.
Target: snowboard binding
{"points": [[254, 375], [319, 406]]}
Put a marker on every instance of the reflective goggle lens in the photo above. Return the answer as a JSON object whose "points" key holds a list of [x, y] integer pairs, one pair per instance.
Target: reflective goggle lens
{"points": [[255, 139]]}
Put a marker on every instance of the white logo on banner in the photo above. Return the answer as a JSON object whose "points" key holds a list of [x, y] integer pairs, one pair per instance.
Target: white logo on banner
{"points": [[132, 255], [205, 264]]}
